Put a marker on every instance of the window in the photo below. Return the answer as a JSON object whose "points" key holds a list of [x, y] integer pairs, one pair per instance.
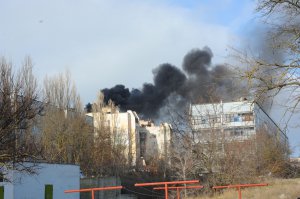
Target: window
{"points": [[215, 119], [142, 143], [228, 118], [237, 133], [142, 136], [196, 120], [220, 147], [48, 191], [237, 118], [247, 117]]}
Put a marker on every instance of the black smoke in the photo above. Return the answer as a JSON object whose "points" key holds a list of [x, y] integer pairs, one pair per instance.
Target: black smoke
{"points": [[118, 94], [199, 81]]}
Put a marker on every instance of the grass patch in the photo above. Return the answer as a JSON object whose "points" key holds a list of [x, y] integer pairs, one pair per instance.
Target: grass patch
{"points": [[281, 189]]}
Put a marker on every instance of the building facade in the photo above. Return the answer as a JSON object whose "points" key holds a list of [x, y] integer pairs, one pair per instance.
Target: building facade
{"points": [[123, 128], [155, 141], [143, 139], [239, 120]]}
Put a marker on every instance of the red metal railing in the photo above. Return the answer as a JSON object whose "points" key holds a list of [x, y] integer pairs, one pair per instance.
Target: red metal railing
{"points": [[238, 187], [166, 187], [92, 190], [166, 184], [179, 188]]}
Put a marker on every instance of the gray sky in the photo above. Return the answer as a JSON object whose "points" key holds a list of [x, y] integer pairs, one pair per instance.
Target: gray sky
{"points": [[109, 42]]}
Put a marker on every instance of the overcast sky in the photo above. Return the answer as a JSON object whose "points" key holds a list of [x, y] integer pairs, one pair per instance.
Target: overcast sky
{"points": [[109, 42]]}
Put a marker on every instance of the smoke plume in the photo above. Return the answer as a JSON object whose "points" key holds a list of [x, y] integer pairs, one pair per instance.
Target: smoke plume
{"points": [[199, 81]]}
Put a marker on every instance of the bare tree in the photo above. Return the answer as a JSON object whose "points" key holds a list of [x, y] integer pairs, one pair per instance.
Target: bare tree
{"points": [[19, 107], [269, 76], [66, 135], [69, 136], [272, 154], [60, 91], [110, 150], [184, 161], [205, 148], [66, 138]]}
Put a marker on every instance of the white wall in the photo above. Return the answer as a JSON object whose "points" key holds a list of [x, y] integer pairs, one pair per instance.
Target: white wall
{"points": [[61, 176], [261, 119], [206, 111], [158, 140], [125, 126]]}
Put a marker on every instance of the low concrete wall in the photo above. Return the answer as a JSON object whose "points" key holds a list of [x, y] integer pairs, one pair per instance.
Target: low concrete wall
{"points": [[100, 182]]}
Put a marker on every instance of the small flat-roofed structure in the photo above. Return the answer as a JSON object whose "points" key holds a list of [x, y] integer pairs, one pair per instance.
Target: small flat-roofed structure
{"points": [[49, 182]]}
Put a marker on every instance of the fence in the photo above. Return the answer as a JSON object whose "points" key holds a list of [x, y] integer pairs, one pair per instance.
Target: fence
{"points": [[239, 186], [92, 190], [166, 184], [166, 187], [178, 189]]}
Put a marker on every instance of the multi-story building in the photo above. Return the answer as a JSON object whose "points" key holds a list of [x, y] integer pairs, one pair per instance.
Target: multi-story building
{"points": [[123, 128], [154, 140], [143, 139], [238, 120]]}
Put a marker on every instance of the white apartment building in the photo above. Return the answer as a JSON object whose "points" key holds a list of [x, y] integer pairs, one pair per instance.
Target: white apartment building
{"points": [[123, 127], [238, 120], [154, 140], [143, 139]]}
